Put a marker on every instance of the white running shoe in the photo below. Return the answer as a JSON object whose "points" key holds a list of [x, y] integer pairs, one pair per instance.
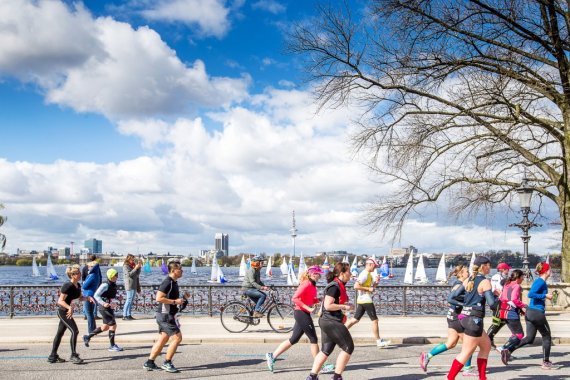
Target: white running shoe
{"points": [[471, 371], [381, 343]]}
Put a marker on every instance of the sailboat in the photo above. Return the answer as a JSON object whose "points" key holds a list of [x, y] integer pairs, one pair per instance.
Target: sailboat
{"points": [[220, 276], [214, 272], [384, 269], [391, 275], [146, 267], [242, 267], [163, 267], [302, 265], [472, 262], [291, 278], [284, 268], [35, 269], [441, 276], [421, 277], [345, 260], [52, 274], [269, 270], [354, 267], [193, 268], [547, 259], [326, 266], [409, 276]]}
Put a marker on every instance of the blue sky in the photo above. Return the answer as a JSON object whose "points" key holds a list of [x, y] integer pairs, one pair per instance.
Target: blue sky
{"points": [[152, 125]]}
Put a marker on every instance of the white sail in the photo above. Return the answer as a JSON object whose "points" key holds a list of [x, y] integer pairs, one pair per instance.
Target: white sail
{"points": [[302, 265], [441, 276], [354, 267], [547, 259], [220, 279], [384, 269], [51, 273], [345, 260], [269, 270], [294, 280], [472, 262], [214, 273], [193, 268], [284, 268], [242, 267], [420, 270], [35, 269], [409, 276]]}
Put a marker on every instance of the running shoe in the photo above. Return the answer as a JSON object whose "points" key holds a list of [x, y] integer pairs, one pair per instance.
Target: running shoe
{"points": [[55, 359], [424, 361], [270, 361], [381, 343], [115, 348], [471, 371], [75, 359], [548, 365], [149, 365], [312, 378], [327, 368], [169, 367], [337, 378], [505, 356], [86, 340]]}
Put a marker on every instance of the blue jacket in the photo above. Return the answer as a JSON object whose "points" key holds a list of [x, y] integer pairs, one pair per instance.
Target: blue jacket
{"points": [[537, 294], [92, 282]]}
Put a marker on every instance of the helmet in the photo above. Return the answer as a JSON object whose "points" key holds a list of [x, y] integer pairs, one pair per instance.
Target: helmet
{"points": [[315, 269], [256, 259]]}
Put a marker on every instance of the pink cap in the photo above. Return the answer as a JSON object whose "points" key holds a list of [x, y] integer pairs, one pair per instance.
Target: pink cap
{"points": [[373, 261], [315, 269], [502, 266]]}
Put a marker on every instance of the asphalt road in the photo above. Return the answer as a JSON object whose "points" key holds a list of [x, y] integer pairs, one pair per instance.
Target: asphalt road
{"points": [[246, 361]]}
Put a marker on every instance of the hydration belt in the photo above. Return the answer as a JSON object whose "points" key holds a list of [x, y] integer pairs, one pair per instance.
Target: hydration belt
{"points": [[473, 312]]}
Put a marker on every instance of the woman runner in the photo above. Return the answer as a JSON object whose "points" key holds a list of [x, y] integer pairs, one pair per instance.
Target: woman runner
{"points": [[535, 316], [454, 329], [478, 292], [69, 291], [509, 310], [304, 299], [333, 330]]}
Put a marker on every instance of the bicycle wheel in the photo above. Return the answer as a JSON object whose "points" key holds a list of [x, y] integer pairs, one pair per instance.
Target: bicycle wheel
{"points": [[280, 317], [235, 317]]}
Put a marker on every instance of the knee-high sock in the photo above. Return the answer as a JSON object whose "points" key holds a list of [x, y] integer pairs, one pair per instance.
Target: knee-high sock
{"points": [[112, 337], [437, 350], [482, 367], [512, 343], [454, 370], [95, 332]]}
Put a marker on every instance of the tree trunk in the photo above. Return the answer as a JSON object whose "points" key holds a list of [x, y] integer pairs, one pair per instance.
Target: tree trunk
{"points": [[565, 224]]}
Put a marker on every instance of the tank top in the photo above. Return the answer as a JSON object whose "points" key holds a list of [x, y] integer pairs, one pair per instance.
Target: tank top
{"points": [[474, 303]]}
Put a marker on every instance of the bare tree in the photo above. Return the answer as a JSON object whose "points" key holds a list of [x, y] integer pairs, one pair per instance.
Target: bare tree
{"points": [[2, 236], [458, 99]]}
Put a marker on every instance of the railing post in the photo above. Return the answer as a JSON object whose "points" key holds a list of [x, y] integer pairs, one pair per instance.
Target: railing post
{"points": [[404, 300], [11, 302], [210, 306]]}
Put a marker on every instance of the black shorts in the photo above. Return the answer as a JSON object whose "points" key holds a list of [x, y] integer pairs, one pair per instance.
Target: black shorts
{"points": [[108, 315], [455, 324], [167, 324], [368, 308], [472, 326]]}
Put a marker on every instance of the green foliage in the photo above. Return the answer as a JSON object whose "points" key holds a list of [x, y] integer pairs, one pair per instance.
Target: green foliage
{"points": [[23, 262]]}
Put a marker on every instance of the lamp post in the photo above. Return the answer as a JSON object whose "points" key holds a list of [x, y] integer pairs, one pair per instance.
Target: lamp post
{"points": [[525, 197]]}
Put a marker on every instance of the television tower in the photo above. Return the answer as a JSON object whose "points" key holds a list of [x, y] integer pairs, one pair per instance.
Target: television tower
{"points": [[293, 231], [71, 253]]}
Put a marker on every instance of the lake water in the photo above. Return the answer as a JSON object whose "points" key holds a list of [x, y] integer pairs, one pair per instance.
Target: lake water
{"points": [[14, 275]]}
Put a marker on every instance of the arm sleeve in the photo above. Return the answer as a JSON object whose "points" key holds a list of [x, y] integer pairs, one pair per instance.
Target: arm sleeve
{"points": [[490, 298], [100, 290], [536, 291], [453, 297]]}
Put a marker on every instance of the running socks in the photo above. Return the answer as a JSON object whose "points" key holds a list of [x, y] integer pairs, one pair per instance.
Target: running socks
{"points": [[95, 332], [437, 350], [313, 376], [112, 337], [337, 376], [454, 370], [468, 362], [482, 367]]}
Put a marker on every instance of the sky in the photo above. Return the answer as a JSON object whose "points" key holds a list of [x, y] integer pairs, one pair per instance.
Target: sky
{"points": [[154, 124]]}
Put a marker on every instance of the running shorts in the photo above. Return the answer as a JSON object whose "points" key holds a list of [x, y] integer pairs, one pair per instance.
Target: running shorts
{"points": [[472, 326], [368, 308], [167, 324], [108, 315], [455, 325]]}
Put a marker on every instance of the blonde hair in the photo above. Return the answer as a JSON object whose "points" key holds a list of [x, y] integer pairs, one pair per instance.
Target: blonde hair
{"points": [[471, 282], [458, 269], [129, 257], [304, 276], [70, 269], [539, 268]]}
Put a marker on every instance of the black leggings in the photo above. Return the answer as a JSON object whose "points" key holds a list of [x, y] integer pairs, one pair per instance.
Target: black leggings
{"points": [[303, 325], [334, 333], [536, 320], [65, 324]]}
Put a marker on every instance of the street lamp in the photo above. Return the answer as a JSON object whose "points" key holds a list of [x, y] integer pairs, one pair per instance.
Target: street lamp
{"points": [[525, 197]]}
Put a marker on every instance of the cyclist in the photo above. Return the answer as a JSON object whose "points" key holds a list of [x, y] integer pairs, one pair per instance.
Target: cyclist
{"points": [[252, 285]]}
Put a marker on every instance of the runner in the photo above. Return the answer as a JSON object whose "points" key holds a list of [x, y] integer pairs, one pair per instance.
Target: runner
{"points": [[106, 292], [331, 321], [497, 282], [365, 285], [170, 303], [536, 317], [454, 328], [68, 292], [304, 299], [477, 292], [509, 310], [252, 285]]}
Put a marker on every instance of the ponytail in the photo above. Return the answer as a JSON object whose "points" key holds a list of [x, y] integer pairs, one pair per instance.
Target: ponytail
{"points": [[337, 270], [304, 276], [471, 281], [455, 272], [515, 275]]}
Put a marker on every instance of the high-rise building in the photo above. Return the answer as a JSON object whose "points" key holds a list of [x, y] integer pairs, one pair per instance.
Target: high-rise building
{"points": [[222, 243], [95, 246]]}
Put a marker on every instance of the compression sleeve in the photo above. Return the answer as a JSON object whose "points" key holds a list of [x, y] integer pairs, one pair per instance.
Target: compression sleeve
{"points": [[490, 297], [453, 297], [102, 288]]}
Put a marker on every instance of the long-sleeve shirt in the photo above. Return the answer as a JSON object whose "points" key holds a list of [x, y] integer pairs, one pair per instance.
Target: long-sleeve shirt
{"points": [[306, 294], [537, 294], [252, 279], [512, 292]]}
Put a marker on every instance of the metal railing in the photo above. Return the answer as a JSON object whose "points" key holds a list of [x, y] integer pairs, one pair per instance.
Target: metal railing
{"points": [[38, 300]]}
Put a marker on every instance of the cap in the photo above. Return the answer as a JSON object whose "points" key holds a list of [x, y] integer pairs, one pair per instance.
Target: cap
{"points": [[111, 273], [373, 261], [256, 258], [480, 260], [502, 266], [315, 269]]}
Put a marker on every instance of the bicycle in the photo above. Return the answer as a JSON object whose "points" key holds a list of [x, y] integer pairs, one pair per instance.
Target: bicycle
{"points": [[236, 315]]}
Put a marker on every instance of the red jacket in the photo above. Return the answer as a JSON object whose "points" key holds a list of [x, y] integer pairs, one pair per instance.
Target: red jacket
{"points": [[306, 294]]}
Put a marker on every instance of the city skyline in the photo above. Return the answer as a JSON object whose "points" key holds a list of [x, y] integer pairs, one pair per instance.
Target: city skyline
{"points": [[155, 125]]}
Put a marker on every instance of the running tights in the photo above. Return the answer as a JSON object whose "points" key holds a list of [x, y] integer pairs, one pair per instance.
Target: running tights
{"points": [[536, 321], [65, 324]]}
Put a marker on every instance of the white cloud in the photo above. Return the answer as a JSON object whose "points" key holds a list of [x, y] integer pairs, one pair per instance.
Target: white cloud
{"points": [[209, 16], [104, 66], [271, 6]]}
